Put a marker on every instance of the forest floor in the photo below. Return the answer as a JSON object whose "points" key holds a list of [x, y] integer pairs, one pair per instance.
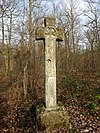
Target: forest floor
{"points": [[81, 99]]}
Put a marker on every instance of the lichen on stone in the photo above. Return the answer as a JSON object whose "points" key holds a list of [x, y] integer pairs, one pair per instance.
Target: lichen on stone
{"points": [[51, 120]]}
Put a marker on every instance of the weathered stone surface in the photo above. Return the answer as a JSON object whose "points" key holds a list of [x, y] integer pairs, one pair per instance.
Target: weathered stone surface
{"points": [[52, 116], [50, 72], [60, 34], [39, 33], [49, 21], [50, 34], [51, 120]]}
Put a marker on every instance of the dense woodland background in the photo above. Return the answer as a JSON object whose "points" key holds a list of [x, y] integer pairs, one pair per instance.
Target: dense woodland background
{"points": [[22, 58]]}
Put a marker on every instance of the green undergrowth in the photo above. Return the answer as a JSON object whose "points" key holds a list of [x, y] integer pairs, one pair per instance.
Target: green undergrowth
{"points": [[84, 90]]}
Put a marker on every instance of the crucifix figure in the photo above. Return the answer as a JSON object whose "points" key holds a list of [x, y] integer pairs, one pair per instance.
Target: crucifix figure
{"points": [[50, 34]]}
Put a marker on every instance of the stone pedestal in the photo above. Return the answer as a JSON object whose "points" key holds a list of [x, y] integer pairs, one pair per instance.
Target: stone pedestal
{"points": [[53, 119]]}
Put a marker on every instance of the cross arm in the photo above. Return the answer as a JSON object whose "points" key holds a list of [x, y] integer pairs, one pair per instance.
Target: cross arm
{"points": [[39, 33], [60, 34]]}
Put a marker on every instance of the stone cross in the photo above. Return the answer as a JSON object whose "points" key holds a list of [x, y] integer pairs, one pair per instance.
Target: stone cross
{"points": [[50, 34]]}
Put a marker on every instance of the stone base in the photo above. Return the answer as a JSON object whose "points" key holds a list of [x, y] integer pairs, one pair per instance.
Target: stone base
{"points": [[50, 120]]}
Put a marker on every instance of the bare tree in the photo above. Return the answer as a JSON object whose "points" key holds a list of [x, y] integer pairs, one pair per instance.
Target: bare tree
{"points": [[70, 18], [93, 32]]}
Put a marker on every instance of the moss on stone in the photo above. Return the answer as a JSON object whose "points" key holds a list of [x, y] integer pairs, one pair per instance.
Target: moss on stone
{"points": [[53, 119]]}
